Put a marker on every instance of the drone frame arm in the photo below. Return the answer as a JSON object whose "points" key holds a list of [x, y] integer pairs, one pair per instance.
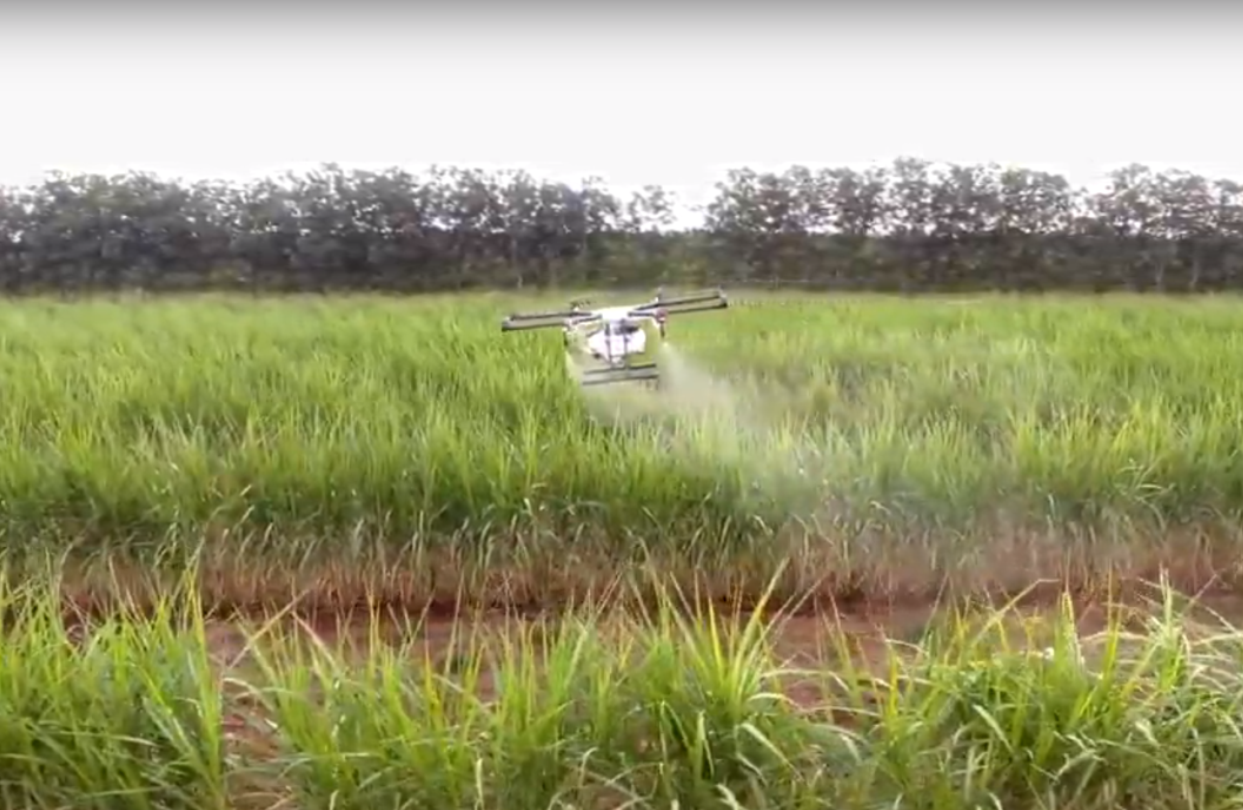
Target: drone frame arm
{"points": [[544, 320], [512, 325], [682, 308], [704, 307], [696, 298], [695, 302]]}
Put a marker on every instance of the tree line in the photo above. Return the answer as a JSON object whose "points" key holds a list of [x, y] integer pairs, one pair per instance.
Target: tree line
{"points": [[908, 226]]}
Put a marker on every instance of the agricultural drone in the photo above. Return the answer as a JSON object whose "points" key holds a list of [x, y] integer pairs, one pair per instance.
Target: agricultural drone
{"points": [[605, 340]]}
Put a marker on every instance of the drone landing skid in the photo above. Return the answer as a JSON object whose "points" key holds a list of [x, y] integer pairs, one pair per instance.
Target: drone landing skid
{"points": [[607, 376]]}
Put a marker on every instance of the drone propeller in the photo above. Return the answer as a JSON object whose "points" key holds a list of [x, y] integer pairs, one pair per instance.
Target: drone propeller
{"points": [[543, 320], [685, 303], [543, 316]]}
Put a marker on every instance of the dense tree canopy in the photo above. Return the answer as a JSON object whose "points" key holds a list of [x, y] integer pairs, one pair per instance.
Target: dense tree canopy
{"points": [[908, 226]]}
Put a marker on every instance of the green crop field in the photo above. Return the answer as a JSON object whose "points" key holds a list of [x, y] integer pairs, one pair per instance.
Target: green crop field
{"points": [[861, 434], [347, 449]]}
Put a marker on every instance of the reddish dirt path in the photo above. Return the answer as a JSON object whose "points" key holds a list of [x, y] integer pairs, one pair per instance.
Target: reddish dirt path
{"points": [[802, 640]]}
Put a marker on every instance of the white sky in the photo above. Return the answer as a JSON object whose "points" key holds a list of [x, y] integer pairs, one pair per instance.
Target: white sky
{"points": [[644, 96]]}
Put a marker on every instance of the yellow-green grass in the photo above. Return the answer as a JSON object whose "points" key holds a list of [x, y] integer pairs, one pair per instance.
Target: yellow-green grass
{"points": [[651, 711], [863, 433]]}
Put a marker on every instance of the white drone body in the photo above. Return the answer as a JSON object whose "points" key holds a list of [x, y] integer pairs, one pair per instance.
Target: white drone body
{"points": [[616, 335], [612, 338]]}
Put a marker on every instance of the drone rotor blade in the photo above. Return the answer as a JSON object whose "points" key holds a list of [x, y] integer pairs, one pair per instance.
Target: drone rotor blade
{"points": [[686, 305], [677, 303], [511, 325], [705, 307], [543, 320], [543, 316]]}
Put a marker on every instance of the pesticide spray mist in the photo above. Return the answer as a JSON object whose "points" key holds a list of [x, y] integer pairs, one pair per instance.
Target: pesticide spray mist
{"points": [[688, 395], [704, 419]]}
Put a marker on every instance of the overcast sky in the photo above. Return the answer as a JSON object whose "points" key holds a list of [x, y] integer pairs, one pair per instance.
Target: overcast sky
{"points": [[638, 96]]}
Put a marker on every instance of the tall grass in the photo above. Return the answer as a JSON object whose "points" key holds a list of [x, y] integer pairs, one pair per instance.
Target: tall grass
{"points": [[648, 711], [343, 425]]}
